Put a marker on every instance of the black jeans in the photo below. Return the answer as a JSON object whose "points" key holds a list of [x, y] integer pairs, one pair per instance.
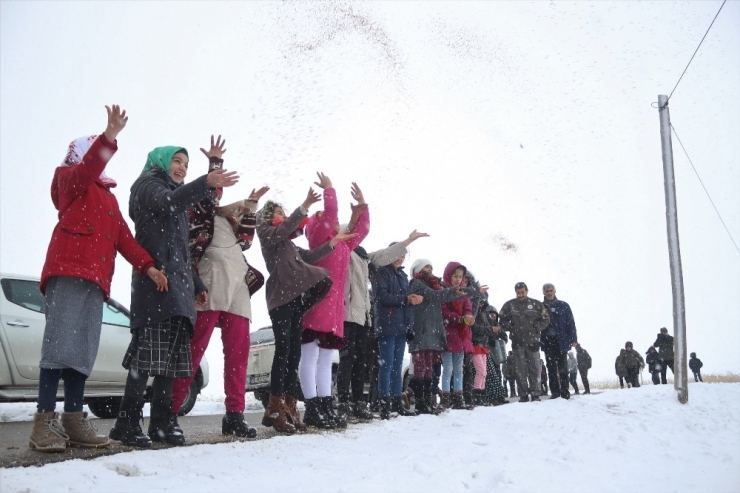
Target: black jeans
{"points": [[557, 366], [584, 378], [287, 325], [665, 364], [697, 376], [352, 363]]}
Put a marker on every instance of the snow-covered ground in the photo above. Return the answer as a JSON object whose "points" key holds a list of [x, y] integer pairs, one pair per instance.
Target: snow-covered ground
{"points": [[618, 440]]}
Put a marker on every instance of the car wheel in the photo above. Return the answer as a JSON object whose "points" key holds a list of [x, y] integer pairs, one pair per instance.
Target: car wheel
{"points": [[192, 395], [104, 407]]}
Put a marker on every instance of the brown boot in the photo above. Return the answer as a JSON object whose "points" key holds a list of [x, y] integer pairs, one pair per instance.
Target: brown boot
{"points": [[48, 433], [276, 416], [294, 416], [445, 400], [82, 432]]}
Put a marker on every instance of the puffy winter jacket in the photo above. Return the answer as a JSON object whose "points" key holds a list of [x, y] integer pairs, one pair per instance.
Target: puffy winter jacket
{"points": [[393, 313], [695, 364], [664, 343]]}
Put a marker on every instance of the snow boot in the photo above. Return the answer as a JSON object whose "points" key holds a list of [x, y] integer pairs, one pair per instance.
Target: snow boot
{"points": [[421, 400], [458, 402], [234, 423], [314, 415], [162, 426], [361, 410], [524, 398], [385, 408], [82, 432], [445, 400], [48, 433], [327, 405], [126, 429], [276, 416], [536, 398], [344, 411], [294, 415], [400, 408]]}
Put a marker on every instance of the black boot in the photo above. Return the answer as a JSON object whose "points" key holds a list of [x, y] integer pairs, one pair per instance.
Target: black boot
{"points": [[314, 415], [361, 410], [235, 424], [386, 411], [421, 397], [345, 411], [126, 429], [163, 423], [327, 404]]}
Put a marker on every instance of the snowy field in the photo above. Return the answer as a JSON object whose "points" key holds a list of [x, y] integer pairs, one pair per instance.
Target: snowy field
{"points": [[618, 440]]}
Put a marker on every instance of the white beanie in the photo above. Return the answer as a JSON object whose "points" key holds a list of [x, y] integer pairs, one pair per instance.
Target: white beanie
{"points": [[420, 264]]}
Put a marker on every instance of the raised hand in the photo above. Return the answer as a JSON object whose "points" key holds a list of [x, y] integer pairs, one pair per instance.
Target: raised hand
{"points": [[356, 211], [159, 278], [217, 148], [415, 235], [220, 178], [117, 120], [341, 236], [256, 195], [311, 198], [483, 289], [324, 181], [357, 193]]}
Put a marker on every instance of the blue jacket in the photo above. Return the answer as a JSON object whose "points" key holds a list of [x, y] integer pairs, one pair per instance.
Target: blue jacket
{"points": [[561, 324], [394, 315]]}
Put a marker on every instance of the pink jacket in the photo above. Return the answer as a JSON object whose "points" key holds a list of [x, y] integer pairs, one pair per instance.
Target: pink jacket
{"points": [[328, 315]]}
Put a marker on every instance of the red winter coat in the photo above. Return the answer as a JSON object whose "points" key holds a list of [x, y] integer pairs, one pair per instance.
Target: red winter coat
{"points": [[91, 228], [459, 335]]}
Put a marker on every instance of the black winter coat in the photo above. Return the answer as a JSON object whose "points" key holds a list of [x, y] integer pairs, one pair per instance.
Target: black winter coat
{"points": [[159, 209], [652, 359], [664, 345], [695, 364]]}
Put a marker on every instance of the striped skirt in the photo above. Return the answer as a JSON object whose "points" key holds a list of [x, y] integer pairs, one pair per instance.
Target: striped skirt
{"points": [[162, 349]]}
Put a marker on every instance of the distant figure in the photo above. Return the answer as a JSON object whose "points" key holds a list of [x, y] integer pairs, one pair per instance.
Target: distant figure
{"points": [[664, 343], [509, 370], [654, 365], [584, 364], [620, 369], [543, 377], [633, 362], [695, 364], [573, 372]]}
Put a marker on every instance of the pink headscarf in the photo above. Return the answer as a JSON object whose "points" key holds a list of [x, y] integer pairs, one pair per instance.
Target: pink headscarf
{"points": [[76, 152]]}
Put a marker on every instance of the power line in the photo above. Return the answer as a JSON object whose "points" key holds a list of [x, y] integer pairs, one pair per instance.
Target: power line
{"points": [[695, 51], [705, 188]]}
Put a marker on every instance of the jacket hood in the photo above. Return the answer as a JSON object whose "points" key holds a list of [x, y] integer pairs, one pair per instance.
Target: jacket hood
{"points": [[450, 269]]}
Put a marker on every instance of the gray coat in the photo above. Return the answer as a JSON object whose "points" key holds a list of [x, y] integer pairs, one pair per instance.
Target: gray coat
{"points": [[356, 295], [429, 327], [159, 209], [288, 265]]}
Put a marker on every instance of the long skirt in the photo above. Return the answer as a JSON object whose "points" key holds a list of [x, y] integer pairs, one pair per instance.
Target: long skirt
{"points": [[494, 389]]}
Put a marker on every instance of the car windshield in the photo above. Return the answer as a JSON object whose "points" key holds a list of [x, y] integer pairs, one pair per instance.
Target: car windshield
{"points": [[262, 336]]}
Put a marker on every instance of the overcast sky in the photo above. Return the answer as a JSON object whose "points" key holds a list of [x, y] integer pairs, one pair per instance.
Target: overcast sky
{"points": [[521, 136]]}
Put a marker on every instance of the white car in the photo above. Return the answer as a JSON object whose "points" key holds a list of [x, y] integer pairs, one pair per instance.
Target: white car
{"points": [[22, 324]]}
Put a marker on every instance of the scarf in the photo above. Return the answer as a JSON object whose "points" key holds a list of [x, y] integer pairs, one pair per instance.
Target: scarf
{"points": [[161, 157], [76, 154], [431, 281]]}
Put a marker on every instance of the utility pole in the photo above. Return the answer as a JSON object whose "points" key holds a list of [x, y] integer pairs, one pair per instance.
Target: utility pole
{"points": [[680, 375]]}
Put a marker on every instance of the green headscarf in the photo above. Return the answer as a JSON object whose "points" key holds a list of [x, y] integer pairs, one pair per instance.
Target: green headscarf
{"points": [[161, 157]]}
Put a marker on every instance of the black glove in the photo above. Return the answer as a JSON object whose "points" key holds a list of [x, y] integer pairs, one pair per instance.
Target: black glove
{"points": [[410, 335]]}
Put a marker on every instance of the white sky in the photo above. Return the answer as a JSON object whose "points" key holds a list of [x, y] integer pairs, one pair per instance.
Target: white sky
{"points": [[474, 122], [615, 441]]}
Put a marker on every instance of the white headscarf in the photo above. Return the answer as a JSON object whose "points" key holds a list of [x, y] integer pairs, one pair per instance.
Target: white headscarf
{"points": [[76, 152]]}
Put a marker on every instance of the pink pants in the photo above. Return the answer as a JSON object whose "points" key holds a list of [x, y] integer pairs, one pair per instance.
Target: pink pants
{"points": [[235, 337], [479, 362]]}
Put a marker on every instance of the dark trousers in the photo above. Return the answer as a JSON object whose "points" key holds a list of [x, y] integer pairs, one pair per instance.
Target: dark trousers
{"points": [[351, 371], [697, 376], [557, 366], [510, 383], [584, 378], [468, 378], [656, 377], [436, 375], [633, 376], [665, 364], [74, 389], [621, 381], [573, 379]]}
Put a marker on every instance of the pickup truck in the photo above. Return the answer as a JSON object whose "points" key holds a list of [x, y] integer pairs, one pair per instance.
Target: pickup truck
{"points": [[22, 324]]}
